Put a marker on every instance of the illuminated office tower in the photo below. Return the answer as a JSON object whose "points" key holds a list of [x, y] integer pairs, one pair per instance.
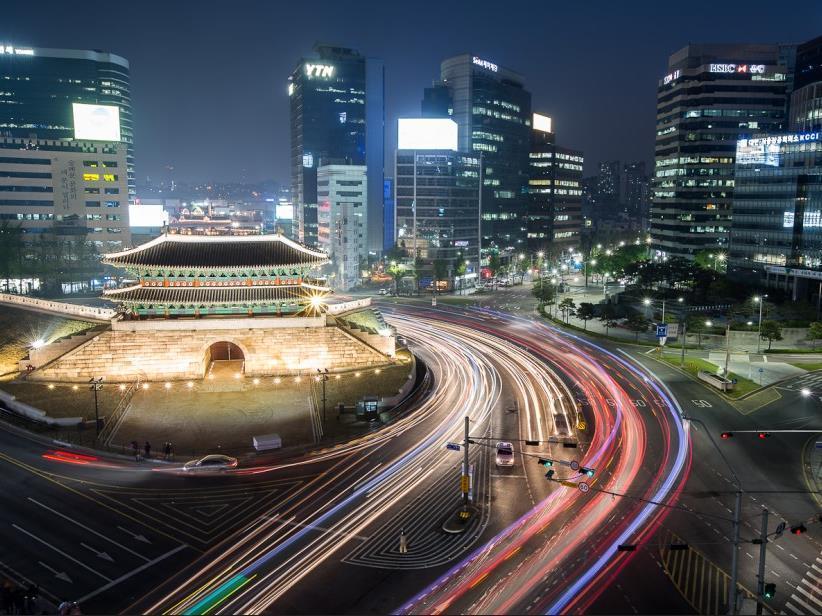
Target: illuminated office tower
{"points": [[40, 85], [492, 108], [337, 118], [436, 201], [710, 96]]}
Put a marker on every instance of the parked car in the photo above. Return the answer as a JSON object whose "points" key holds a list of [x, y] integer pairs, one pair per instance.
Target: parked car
{"points": [[383, 292], [214, 462], [505, 454]]}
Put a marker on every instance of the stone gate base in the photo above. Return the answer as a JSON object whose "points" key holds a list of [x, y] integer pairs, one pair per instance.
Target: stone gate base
{"points": [[169, 350]]}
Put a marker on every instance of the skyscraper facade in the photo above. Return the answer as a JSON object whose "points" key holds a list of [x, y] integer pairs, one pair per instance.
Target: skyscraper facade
{"points": [[437, 199], [806, 98], [636, 194], [41, 86], [337, 118], [493, 111], [711, 95], [554, 218], [609, 187]]}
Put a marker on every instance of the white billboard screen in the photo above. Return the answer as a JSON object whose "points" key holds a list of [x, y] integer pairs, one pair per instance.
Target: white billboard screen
{"points": [[542, 123], [426, 134], [147, 215], [96, 122]]}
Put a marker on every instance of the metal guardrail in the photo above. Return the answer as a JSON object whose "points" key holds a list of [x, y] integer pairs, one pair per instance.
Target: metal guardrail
{"points": [[86, 312], [114, 420]]}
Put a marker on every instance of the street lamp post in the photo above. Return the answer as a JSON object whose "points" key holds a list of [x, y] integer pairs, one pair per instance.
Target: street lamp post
{"points": [[323, 375], [760, 301], [96, 385]]}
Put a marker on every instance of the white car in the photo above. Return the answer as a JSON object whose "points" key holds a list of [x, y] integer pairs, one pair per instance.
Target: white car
{"points": [[383, 291], [214, 462], [505, 454]]}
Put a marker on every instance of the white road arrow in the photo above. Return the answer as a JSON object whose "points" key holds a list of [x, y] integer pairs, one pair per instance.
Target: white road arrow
{"points": [[136, 537], [102, 555], [60, 575]]}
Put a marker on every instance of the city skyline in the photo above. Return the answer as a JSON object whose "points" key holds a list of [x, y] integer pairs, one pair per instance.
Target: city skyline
{"points": [[568, 78]]}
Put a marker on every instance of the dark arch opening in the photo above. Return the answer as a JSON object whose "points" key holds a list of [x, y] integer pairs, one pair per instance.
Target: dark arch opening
{"points": [[225, 351]]}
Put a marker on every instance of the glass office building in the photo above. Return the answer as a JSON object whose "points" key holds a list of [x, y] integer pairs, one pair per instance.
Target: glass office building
{"points": [[711, 95], [777, 225], [337, 118], [806, 99], [39, 85], [493, 111]]}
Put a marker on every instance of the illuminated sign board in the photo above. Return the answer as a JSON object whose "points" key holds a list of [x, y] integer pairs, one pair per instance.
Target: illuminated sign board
{"points": [[810, 220], [753, 69], [319, 70], [671, 77], [485, 64], [541, 123], [290, 89], [147, 215], [96, 122], [768, 150], [426, 134], [11, 50]]}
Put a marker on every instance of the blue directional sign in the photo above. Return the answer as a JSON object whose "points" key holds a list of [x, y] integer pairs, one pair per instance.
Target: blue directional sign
{"points": [[662, 330], [453, 446]]}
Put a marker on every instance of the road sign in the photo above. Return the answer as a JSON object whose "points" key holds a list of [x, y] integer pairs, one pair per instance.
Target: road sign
{"points": [[581, 425], [452, 446], [761, 370], [583, 487], [662, 330], [574, 465], [465, 484]]}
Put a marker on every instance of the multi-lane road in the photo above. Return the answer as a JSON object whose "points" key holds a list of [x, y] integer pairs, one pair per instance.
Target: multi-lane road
{"points": [[320, 533]]}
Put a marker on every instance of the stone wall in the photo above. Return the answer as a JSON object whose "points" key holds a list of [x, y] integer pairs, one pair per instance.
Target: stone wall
{"points": [[123, 355]]}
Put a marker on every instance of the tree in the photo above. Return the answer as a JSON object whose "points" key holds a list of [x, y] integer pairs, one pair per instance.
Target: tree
{"points": [[815, 332], [637, 323], [397, 271], [696, 325], [567, 307], [771, 330], [440, 271], [494, 264], [586, 313], [544, 291], [608, 317]]}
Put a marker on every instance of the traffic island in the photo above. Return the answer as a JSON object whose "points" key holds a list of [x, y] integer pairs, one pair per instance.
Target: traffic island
{"points": [[461, 519]]}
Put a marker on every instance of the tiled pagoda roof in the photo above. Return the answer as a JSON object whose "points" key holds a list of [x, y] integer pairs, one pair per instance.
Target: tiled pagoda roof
{"points": [[183, 252], [213, 295]]}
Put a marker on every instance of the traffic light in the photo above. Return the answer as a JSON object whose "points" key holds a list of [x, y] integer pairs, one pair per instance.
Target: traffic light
{"points": [[764, 434], [550, 474], [546, 461], [770, 591], [727, 435], [588, 471], [798, 529]]}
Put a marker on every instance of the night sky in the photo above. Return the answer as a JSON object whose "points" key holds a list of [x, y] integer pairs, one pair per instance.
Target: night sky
{"points": [[209, 78]]}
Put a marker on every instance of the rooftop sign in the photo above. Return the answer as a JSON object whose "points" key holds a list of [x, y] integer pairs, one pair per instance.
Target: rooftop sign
{"points": [[541, 123], [319, 70], [753, 69], [426, 134], [485, 64]]}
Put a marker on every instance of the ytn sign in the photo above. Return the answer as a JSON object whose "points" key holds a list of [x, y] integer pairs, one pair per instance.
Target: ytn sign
{"points": [[319, 70]]}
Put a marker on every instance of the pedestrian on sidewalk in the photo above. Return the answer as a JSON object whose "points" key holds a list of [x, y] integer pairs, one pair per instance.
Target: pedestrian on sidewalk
{"points": [[403, 542], [167, 451], [147, 450], [135, 448]]}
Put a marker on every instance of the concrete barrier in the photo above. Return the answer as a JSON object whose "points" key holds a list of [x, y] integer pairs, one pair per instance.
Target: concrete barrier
{"points": [[35, 414], [357, 304], [720, 382]]}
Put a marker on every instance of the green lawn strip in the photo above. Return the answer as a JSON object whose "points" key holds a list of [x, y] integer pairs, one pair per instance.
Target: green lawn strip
{"points": [[808, 365], [693, 365]]}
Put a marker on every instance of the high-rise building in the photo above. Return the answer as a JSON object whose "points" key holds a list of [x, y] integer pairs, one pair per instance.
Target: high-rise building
{"points": [[609, 186], [493, 111], [555, 192], [388, 213], [636, 194], [342, 216], [66, 94], [806, 99], [711, 95], [437, 197], [337, 118]]}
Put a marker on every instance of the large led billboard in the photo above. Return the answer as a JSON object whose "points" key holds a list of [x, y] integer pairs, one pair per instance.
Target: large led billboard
{"points": [[147, 215], [541, 123], [426, 134], [96, 122]]}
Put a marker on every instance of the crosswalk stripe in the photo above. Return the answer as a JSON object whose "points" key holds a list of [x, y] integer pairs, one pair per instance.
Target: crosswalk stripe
{"points": [[803, 604], [813, 586], [809, 596], [793, 608]]}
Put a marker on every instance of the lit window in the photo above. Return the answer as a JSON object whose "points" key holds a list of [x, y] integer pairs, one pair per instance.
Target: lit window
{"points": [[109, 177], [91, 177]]}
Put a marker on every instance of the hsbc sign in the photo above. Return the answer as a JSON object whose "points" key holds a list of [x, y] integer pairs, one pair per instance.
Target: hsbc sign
{"points": [[753, 69]]}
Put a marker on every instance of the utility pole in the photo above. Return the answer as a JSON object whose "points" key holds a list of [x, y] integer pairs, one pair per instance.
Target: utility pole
{"points": [[684, 339], [732, 592], [727, 346], [324, 377], [760, 583], [466, 479]]}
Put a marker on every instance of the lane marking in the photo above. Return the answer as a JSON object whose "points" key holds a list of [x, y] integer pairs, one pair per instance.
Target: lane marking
{"points": [[91, 530], [61, 552], [139, 569]]}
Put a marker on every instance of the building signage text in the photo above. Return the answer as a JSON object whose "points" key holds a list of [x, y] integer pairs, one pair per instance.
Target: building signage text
{"points": [[671, 77], [11, 50], [485, 64], [779, 139], [319, 70], [753, 69]]}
